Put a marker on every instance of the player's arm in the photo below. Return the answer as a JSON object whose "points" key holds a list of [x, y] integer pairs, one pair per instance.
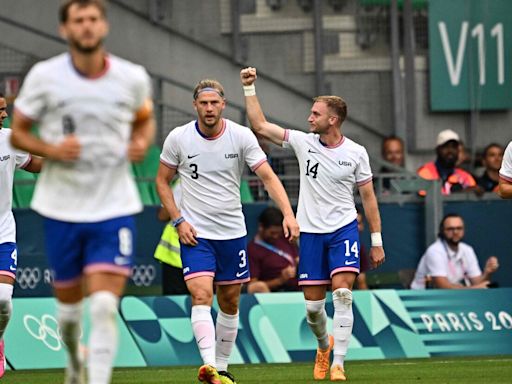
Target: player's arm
{"points": [[164, 176], [143, 132], [505, 189], [371, 211], [35, 165], [22, 138], [276, 191], [259, 123]]}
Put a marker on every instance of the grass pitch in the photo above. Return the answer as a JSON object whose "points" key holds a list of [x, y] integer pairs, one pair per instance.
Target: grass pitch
{"points": [[474, 370]]}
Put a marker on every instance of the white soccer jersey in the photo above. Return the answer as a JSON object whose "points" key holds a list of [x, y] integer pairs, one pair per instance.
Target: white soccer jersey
{"points": [[100, 111], [506, 165], [440, 261], [210, 170], [328, 176], [10, 159]]}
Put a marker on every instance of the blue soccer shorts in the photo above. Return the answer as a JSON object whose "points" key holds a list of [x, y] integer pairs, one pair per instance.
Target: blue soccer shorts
{"points": [[225, 260], [77, 248], [8, 259], [322, 255]]}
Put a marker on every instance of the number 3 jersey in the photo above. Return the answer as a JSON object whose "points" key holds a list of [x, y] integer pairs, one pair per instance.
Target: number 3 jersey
{"points": [[100, 112], [210, 169], [328, 176]]}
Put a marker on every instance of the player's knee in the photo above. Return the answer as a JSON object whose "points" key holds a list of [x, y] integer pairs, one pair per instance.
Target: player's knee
{"points": [[5, 298], [314, 309], [103, 306], [342, 298]]}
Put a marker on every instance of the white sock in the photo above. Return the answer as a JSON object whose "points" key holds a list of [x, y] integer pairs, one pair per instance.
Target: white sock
{"points": [[103, 337], [5, 306], [342, 323], [226, 330], [69, 318], [204, 332], [317, 321]]}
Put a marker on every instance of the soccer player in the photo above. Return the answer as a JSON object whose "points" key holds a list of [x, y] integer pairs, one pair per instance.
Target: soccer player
{"points": [[95, 115], [331, 165], [505, 186], [210, 154], [10, 159]]}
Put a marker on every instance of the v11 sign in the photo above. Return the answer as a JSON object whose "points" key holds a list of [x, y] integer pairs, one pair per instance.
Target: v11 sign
{"points": [[470, 54]]}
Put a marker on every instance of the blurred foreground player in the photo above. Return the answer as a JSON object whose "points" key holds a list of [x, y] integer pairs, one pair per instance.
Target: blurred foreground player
{"points": [[95, 116]]}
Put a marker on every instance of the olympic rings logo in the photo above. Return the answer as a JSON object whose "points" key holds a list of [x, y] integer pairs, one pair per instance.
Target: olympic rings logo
{"points": [[28, 277], [143, 275], [46, 330]]}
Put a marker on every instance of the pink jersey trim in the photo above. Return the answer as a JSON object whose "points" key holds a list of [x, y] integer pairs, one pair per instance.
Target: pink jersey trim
{"points": [[339, 143], [107, 267], [506, 178], [314, 282], [344, 269], [7, 273], [168, 165], [67, 283], [286, 136], [360, 183], [258, 164], [105, 69], [24, 165], [199, 274], [232, 282]]}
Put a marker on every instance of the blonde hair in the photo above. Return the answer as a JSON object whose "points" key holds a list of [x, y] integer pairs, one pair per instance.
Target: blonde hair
{"points": [[208, 85], [336, 104]]}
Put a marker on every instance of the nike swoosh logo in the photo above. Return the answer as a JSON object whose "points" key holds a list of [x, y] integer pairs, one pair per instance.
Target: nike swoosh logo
{"points": [[120, 260], [192, 156], [225, 341], [350, 262], [240, 274], [310, 151]]}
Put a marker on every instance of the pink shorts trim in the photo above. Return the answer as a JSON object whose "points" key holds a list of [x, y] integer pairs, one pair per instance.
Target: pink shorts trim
{"points": [[233, 282], [67, 283], [344, 269], [198, 274], [315, 282], [106, 267], [7, 273]]}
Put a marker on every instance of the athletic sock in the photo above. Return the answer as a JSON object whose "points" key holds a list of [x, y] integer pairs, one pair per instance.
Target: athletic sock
{"points": [[69, 318], [226, 329], [343, 321], [317, 321], [5, 306], [103, 338], [204, 332]]}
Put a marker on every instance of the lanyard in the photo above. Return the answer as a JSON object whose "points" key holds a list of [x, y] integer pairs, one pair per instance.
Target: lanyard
{"points": [[276, 250], [451, 264]]}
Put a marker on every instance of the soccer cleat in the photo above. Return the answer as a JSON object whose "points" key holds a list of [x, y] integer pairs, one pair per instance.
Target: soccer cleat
{"points": [[226, 377], [208, 374], [322, 361], [2, 358], [337, 373]]}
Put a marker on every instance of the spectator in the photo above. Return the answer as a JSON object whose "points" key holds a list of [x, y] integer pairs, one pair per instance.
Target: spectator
{"points": [[463, 157], [363, 257], [505, 186], [450, 263], [393, 152], [444, 167], [272, 259], [492, 158]]}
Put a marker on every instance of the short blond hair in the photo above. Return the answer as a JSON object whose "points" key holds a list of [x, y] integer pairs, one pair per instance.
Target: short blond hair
{"points": [[210, 85], [335, 103]]}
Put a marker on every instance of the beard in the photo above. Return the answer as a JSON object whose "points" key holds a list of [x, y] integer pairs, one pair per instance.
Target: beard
{"points": [[86, 49]]}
